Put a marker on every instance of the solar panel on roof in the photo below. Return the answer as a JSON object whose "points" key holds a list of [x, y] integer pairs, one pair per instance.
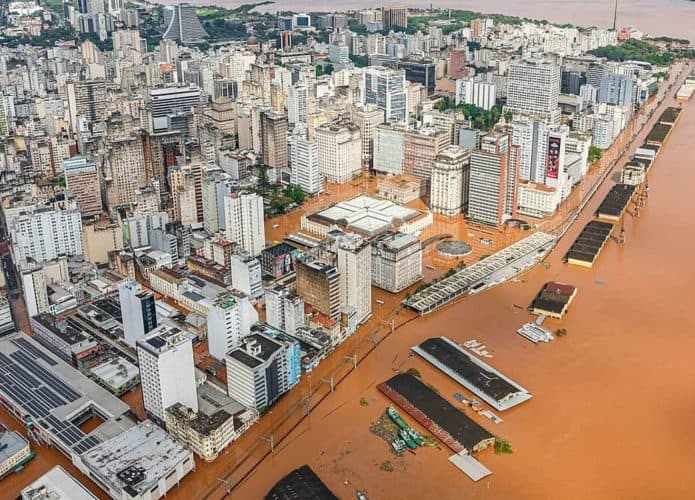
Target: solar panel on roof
{"points": [[24, 344]]}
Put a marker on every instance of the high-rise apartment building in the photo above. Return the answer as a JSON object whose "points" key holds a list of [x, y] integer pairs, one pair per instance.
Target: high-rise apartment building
{"points": [[396, 261], [476, 92], [186, 193], [213, 190], [35, 291], [394, 17], [244, 221], [339, 151], [318, 284], [616, 89], [86, 102], [298, 104], [82, 179], [247, 274], [304, 162], [182, 24], [533, 88], [386, 88], [354, 262], [421, 147], [389, 149], [457, 63], [45, 234], [284, 309], [274, 139], [449, 184], [125, 171], [167, 372], [258, 371], [230, 317], [138, 311]]}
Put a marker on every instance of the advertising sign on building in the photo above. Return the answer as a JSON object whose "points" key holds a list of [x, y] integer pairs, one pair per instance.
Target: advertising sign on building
{"points": [[553, 162]]}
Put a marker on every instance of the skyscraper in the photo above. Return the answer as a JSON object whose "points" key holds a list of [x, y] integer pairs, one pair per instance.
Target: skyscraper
{"points": [[386, 89], [125, 172], [44, 234], [354, 263], [298, 103], [533, 88], [367, 118], [274, 139], [318, 284], [394, 17], [138, 311], [490, 181], [167, 372], [171, 108], [86, 102], [304, 162], [230, 317], [284, 309], [339, 151], [182, 24], [616, 89], [244, 221], [449, 184], [82, 179]]}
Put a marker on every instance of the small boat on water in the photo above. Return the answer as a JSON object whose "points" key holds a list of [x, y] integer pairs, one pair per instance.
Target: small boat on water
{"points": [[409, 441], [398, 445]]}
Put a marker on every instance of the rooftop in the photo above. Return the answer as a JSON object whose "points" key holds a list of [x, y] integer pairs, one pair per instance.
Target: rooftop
{"points": [[78, 339], [420, 399], [115, 372], [136, 459], [476, 376], [54, 395], [11, 443], [255, 349], [300, 484], [57, 484], [279, 249], [366, 215], [214, 409], [164, 338]]}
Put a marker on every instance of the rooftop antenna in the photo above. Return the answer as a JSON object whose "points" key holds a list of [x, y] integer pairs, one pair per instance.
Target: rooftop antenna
{"points": [[615, 15]]}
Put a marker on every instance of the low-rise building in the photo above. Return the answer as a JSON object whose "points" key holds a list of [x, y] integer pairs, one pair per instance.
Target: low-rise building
{"points": [[402, 188], [6, 322], [218, 422], [57, 484], [71, 344], [14, 451], [142, 463], [116, 374]]}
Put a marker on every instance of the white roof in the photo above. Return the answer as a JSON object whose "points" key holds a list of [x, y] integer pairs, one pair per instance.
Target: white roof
{"points": [[56, 484]]}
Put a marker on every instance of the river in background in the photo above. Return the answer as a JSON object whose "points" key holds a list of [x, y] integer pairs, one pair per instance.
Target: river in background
{"points": [[658, 17]]}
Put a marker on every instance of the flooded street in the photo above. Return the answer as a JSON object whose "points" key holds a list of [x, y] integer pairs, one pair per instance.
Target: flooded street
{"points": [[612, 405]]}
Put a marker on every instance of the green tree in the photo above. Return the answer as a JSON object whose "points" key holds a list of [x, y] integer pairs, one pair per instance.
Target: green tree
{"points": [[595, 154]]}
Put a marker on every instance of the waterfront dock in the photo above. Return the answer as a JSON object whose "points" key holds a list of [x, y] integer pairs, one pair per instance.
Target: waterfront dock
{"points": [[478, 377]]}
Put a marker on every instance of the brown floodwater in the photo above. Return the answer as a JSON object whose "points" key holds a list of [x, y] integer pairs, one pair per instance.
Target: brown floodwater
{"points": [[657, 17], [613, 402]]}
